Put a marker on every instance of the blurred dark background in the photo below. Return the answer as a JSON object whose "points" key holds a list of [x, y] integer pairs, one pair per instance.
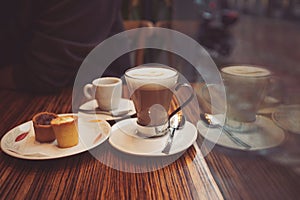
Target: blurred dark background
{"points": [[258, 32]]}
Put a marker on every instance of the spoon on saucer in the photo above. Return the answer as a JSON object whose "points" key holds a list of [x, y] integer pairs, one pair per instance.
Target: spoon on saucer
{"points": [[207, 119], [176, 123]]}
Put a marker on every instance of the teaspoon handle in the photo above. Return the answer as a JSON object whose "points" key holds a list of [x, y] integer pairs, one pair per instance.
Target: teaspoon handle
{"points": [[233, 138], [167, 148]]}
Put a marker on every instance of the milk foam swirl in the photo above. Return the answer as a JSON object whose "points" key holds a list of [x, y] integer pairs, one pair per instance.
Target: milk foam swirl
{"points": [[248, 71], [147, 75], [151, 73]]}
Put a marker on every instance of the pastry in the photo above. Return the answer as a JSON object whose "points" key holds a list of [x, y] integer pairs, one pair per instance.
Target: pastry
{"points": [[42, 127], [65, 130]]}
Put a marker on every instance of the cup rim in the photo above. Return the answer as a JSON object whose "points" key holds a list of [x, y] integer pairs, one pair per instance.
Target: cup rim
{"points": [[250, 66], [142, 66], [96, 81]]}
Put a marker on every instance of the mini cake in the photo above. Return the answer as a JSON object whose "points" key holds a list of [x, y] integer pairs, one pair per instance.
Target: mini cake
{"points": [[42, 128], [65, 130]]}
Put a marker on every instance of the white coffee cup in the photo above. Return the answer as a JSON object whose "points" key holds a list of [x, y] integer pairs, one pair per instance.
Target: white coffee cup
{"points": [[106, 90]]}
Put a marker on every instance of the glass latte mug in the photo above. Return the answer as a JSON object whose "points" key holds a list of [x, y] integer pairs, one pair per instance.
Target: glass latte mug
{"points": [[246, 88], [152, 90]]}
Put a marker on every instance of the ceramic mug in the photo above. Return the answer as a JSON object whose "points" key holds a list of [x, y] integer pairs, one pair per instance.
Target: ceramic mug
{"points": [[106, 90]]}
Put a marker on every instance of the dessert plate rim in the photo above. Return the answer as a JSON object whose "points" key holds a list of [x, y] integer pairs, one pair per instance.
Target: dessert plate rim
{"points": [[85, 142]]}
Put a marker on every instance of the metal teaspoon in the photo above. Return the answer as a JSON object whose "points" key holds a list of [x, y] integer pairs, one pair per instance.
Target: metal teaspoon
{"points": [[210, 123], [176, 123]]}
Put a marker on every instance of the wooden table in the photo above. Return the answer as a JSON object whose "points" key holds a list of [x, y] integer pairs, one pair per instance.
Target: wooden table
{"points": [[223, 173]]}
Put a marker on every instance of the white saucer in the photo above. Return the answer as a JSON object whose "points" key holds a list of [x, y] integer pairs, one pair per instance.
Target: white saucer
{"points": [[91, 134], [126, 143], [124, 104], [288, 117], [268, 135]]}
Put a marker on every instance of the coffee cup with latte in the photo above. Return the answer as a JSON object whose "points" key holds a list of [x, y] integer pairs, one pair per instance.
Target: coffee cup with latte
{"points": [[152, 90], [246, 88]]}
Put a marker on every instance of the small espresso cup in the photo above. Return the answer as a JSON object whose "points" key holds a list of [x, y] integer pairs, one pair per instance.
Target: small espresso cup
{"points": [[152, 90], [246, 88], [106, 90]]}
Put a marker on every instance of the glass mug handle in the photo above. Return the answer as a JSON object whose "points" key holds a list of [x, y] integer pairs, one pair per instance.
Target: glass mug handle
{"points": [[178, 86], [216, 92]]}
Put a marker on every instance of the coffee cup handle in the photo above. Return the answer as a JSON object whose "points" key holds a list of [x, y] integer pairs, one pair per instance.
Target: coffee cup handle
{"points": [[87, 90], [178, 86], [204, 90], [275, 92]]}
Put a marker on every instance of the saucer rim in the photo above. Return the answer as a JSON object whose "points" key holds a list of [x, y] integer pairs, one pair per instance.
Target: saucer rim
{"points": [[231, 145], [279, 123], [106, 116], [157, 153]]}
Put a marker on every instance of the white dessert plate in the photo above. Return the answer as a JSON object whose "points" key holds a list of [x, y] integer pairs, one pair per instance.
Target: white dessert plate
{"points": [[288, 117], [126, 143], [125, 105], [91, 134], [266, 136]]}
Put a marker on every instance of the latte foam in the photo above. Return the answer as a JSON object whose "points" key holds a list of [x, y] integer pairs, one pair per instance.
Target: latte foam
{"points": [[247, 71], [148, 75], [151, 73]]}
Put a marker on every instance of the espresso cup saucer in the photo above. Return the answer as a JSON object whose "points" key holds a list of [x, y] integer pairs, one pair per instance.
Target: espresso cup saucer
{"points": [[90, 107], [267, 135], [123, 138]]}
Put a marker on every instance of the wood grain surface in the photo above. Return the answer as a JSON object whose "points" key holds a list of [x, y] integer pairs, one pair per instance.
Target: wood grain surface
{"points": [[84, 177], [222, 174]]}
